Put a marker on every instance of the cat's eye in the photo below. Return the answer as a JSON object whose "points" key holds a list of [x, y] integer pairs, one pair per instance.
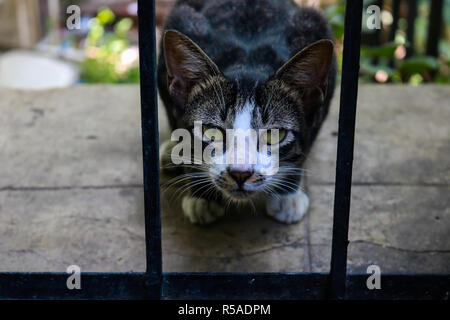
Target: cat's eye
{"points": [[270, 137], [212, 133]]}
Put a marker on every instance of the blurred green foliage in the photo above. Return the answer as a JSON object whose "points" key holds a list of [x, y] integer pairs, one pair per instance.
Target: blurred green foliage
{"points": [[387, 62], [109, 57]]}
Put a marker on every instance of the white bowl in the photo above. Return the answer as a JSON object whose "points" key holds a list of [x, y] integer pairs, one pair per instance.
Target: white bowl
{"points": [[22, 69]]}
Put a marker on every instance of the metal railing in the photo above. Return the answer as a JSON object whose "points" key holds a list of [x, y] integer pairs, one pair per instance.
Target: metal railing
{"points": [[155, 284]]}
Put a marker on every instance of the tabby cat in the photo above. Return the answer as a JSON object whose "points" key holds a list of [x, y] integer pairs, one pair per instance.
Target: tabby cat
{"points": [[246, 64]]}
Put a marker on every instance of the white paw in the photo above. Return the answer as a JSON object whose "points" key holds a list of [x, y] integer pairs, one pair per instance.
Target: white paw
{"points": [[288, 208], [201, 211]]}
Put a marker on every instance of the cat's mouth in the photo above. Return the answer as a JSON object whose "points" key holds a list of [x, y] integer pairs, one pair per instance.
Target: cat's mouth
{"points": [[237, 191]]}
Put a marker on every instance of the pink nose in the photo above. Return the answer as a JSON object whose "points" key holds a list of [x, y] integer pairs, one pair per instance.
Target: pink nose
{"points": [[240, 176]]}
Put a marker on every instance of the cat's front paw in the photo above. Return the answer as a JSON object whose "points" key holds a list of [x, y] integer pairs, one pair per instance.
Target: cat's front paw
{"points": [[201, 211], [288, 208]]}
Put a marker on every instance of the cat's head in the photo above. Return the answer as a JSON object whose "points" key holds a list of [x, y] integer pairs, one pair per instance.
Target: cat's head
{"points": [[277, 116]]}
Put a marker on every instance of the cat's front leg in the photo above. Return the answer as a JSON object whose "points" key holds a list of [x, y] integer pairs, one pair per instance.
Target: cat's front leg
{"points": [[288, 208], [201, 211]]}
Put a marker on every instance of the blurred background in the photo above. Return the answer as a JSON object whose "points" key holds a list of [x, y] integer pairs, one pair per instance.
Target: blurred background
{"points": [[38, 51]]}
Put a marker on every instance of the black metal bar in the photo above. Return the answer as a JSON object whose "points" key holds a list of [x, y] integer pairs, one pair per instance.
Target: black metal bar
{"points": [[215, 286], [434, 30], [377, 34], [373, 38], [98, 286], [344, 161], [149, 118], [412, 15], [394, 26], [395, 18], [311, 286], [379, 3], [275, 286], [400, 287]]}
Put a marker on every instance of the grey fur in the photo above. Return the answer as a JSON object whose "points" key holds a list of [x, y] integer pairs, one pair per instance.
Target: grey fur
{"points": [[248, 41]]}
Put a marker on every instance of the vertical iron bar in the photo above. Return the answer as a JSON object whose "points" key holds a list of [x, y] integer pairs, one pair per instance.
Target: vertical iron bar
{"points": [[344, 161], [394, 26], [395, 18], [377, 36], [373, 38], [434, 29], [412, 15], [149, 118]]}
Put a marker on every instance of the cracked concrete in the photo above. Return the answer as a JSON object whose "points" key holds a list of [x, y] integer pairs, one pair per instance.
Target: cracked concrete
{"points": [[71, 190]]}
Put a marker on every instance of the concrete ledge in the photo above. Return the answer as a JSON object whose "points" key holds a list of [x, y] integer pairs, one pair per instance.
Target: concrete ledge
{"points": [[71, 190]]}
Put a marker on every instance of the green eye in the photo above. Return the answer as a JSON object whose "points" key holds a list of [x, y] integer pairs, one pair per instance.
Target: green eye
{"points": [[271, 138], [212, 133]]}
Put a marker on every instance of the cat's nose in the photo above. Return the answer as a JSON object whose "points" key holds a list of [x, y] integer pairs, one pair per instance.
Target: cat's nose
{"points": [[240, 176]]}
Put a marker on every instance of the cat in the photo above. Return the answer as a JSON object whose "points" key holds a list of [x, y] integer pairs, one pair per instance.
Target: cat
{"points": [[246, 64]]}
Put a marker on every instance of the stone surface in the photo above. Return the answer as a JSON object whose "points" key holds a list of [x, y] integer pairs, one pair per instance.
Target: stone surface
{"points": [[71, 190], [402, 137], [79, 136], [96, 229]]}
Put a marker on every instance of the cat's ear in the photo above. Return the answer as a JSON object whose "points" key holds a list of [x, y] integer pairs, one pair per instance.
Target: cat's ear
{"points": [[308, 69], [186, 65]]}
